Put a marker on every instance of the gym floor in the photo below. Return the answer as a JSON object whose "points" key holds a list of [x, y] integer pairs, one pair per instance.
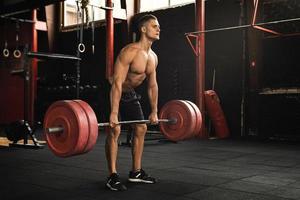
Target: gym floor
{"points": [[187, 170]]}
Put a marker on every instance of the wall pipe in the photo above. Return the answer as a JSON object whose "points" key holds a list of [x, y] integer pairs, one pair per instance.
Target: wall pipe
{"points": [[200, 62], [33, 75], [109, 39]]}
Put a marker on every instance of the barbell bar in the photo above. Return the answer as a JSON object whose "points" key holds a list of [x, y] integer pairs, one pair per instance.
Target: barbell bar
{"points": [[71, 126], [104, 124]]}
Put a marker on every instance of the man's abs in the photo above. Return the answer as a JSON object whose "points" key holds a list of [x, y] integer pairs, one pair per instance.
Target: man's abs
{"points": [[133, 80]]}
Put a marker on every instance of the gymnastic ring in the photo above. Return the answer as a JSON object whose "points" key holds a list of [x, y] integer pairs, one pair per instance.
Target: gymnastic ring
{"points": [[81, 47], [5, 52], [17, 53]]}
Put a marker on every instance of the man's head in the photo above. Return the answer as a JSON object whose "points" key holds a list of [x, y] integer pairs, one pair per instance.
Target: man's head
{"points": [[148, 26]]}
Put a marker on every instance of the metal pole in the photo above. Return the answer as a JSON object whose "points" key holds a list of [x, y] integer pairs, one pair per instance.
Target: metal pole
{"points": [[33, 74], [195, 33], [109, 40], [200, 62]]}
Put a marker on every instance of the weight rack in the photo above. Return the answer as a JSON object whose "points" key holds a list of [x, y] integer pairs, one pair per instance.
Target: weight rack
{"points": [[26, 71]]}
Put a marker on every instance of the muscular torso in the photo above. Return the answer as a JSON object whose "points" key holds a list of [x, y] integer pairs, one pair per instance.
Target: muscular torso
{"points": [[142, 65]]}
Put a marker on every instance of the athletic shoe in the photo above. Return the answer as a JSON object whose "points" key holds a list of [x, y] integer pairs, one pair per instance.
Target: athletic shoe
{"points": [[114, 183], [140, 177]]}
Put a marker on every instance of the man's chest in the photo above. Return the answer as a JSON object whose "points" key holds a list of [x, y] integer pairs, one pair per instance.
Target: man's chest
{"points": [[142, 63]]}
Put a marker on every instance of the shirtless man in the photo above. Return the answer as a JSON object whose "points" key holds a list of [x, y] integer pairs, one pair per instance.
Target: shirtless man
{"points": [[134, 64]]}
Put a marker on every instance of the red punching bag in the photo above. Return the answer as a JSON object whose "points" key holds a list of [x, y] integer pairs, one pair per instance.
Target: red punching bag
{"points": [[216, 114]]}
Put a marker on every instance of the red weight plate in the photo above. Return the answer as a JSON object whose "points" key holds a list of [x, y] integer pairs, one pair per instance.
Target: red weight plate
{"points": [[186, 120], [193, 122], [198, 118], [93, 125], [71, 117]]}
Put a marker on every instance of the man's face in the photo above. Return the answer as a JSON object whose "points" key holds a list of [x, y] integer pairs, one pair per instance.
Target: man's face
{"points": [[152, 29]]}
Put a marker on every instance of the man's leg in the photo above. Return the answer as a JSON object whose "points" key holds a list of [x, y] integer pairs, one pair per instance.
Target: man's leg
{"points": [[138, 146], [111, 150], [137, 174]]}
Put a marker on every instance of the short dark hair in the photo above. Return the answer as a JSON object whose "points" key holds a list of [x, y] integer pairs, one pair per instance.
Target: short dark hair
{"points": [[142, 20]]}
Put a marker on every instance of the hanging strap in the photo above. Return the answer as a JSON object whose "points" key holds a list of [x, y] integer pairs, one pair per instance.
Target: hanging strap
{"points": [[5, 50], [17, 53], [80, 14], [93, 30]]}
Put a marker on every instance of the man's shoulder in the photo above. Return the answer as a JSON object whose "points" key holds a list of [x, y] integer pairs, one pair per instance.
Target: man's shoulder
{"points": [[132, 47], [129, 51], [153, 53]]}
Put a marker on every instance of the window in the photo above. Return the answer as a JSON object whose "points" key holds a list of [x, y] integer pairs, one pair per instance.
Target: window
{"points": [[181, 2], [147, 5], [96, 13], [94, 10]]}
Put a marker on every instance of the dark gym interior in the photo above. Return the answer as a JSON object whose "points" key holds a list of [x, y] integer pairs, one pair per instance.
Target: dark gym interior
{"points": [[236, 60]]}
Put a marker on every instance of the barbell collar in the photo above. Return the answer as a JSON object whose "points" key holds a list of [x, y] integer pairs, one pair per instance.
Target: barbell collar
{"points": [[55, 129]]}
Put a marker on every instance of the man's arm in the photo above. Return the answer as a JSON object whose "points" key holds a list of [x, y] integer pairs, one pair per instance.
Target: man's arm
{"points": [[153, 92], [120, 72]]}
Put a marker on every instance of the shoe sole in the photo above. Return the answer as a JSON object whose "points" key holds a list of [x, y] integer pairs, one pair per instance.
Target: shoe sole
{"points": [[139, 181], [113, 189]]}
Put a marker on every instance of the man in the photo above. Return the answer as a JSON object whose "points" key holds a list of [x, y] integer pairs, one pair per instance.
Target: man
{"points": [[134, 64]]}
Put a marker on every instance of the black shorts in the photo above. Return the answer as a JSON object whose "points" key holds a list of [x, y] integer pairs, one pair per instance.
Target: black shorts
{"points": [[130, 107]]}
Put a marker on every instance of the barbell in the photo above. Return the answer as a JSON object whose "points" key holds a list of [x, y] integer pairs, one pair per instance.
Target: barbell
{"points": [[71, 126]]}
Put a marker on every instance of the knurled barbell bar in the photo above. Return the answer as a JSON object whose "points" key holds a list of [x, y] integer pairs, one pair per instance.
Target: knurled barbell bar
{"points": [[104, 124], [71, 126]]}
